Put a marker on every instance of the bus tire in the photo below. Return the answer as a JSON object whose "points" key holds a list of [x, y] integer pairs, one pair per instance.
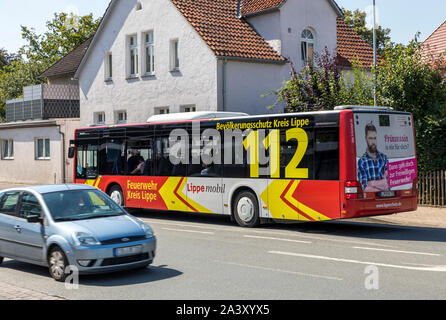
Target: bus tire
{"points": [[246, 209], [116, 194]]}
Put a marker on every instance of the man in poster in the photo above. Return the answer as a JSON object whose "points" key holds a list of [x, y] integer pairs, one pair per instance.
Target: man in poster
{"points": [[372, 166]]}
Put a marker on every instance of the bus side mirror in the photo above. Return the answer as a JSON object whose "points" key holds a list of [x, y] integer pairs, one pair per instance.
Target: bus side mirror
{"points": [[70, 152]]}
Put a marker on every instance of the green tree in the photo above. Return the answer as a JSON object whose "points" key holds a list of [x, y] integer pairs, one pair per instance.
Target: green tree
{"points": [[6, 58], [357, 20], [64, 33]]}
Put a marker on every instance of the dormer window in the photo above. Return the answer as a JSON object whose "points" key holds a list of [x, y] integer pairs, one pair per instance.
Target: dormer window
{"points": [[139, 6], [307, 47]]}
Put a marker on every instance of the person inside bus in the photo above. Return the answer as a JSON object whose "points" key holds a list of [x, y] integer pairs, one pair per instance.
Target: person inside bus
{"points": [[140, 167], [134, 160], [372, 166]]}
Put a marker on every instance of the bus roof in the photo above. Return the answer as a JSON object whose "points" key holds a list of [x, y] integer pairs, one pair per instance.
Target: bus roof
{"points": [[199, 115]]}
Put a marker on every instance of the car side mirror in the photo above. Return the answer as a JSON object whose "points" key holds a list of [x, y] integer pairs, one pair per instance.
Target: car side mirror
{"points": [[34, 219], [70, 152]]}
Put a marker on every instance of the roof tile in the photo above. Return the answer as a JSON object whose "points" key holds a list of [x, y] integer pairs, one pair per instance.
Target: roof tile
{"points": [[226, 34], [352, 47]]}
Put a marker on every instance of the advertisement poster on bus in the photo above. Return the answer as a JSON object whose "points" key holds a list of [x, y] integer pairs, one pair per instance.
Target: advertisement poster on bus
{"points": [[385, 151]]}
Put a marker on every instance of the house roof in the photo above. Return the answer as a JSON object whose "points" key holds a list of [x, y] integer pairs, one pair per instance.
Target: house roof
{"points": [[250, 7], [226, 34], [68, 64], [352, 47], [435, 44]]}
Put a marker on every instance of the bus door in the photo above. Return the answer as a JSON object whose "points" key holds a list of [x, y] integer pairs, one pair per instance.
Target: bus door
{"points": [[86, 157], [204, 184]]}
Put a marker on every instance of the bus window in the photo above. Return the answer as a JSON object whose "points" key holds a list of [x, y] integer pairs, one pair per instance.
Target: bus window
{"points": [[326, 166], [111, 156]]}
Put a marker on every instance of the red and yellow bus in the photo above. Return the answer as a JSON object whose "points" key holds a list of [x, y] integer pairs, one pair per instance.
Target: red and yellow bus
{"points": [[346, 163]]}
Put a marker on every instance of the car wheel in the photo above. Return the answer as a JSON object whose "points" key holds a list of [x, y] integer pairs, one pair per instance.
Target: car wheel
{"points": [[246, 210], [116, 194], [1, 260], [57, 262]]}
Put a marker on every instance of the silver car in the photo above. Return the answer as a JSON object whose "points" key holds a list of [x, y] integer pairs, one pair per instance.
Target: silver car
{"points": [[72, 227]]}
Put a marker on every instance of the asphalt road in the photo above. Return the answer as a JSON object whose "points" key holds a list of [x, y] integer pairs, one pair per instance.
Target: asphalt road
{"points": [[203, 257]]}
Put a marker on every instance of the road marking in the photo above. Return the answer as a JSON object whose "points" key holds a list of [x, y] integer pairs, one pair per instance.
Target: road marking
{"points": [[280, 270], [278, 239], [399, 251], [191, 231], [265, 231], [328, 238], [432, 268]]}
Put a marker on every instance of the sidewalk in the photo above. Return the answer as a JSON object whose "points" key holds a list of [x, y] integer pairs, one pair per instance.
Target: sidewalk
{"points": [[10, 292], [423, 217]]}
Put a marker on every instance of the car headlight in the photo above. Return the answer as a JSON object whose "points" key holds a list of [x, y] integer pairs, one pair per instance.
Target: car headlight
{"points": [[85, 239], [147, 230]]}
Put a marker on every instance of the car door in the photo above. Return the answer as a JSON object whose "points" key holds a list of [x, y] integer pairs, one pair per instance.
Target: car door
{"points": [[30, 236], [8, 223]]}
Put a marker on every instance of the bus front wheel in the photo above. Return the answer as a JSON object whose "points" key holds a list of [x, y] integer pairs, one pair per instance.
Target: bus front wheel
{"points": [[116, 194], [246, 209]]}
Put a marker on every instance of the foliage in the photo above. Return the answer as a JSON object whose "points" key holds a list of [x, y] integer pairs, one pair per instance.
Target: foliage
{"points": [[64, 33], [409, 81], [357, 20]]}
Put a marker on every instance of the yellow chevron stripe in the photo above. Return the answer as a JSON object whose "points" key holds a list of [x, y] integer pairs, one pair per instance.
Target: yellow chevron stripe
{"points": [[281, 210]]}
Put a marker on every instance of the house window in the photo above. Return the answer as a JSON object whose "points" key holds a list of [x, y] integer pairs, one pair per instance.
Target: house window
{"points": [[121, 117], [189, 108], [42, 148], [174, 56], [307, 47], [7, 149], [149, 53], [162, 110], [139, 6], [108, 66], [133, 54], [99, 118]]}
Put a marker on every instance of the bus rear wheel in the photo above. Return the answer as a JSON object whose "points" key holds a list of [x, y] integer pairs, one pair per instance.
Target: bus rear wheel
{"points": [[246, 209], [116, 194]]}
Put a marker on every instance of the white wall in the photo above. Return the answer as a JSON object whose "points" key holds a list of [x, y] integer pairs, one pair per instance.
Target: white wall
{"points": [[246, 82], [196, 83], [297, 15]]}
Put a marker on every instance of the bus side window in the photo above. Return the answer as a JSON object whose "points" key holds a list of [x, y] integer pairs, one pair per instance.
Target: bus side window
{"points": [[163, 167], [327, 154]]}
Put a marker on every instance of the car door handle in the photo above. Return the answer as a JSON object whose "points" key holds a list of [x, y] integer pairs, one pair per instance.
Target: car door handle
{"points": [[18, 228]]}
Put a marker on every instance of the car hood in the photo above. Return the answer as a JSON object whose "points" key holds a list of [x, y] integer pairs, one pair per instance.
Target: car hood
{"points": [[107, 228]]}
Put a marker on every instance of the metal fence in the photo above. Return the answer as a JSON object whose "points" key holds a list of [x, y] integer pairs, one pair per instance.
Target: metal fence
{"points": [[44, 102], [432, 188]]}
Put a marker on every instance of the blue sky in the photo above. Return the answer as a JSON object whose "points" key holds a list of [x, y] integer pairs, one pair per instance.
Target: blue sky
{"points": [[403, 17]]}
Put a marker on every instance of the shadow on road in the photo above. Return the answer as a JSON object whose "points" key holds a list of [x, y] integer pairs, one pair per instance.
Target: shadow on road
{"points": [[130, 277], [121, 278], [362, 228]]}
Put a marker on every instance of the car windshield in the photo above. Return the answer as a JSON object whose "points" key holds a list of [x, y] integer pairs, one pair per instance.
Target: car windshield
{"points": [[80, 205]]}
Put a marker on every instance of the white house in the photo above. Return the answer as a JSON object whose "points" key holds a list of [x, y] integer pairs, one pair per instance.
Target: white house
{"points": [[157, 56]]}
